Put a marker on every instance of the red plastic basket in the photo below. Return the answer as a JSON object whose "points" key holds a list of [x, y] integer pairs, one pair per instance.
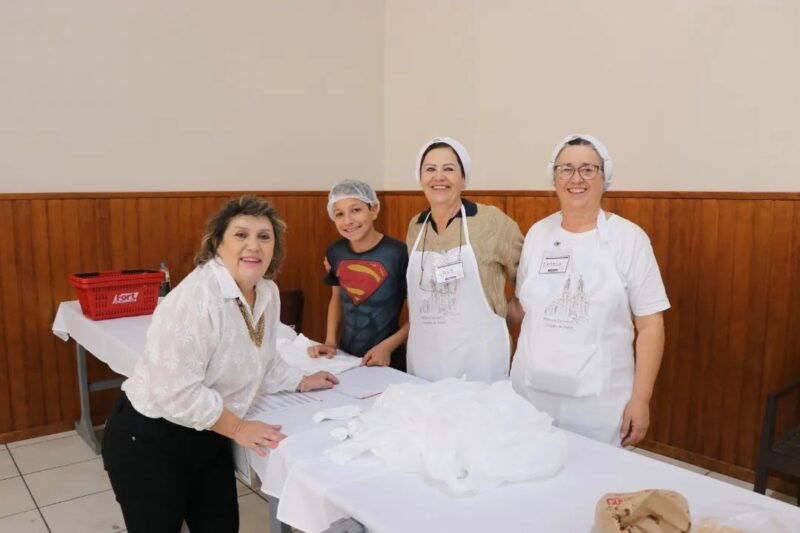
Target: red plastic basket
{"points": [[117, 293]]}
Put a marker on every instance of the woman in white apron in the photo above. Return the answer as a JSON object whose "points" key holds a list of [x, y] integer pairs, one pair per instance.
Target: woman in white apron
{"points": [[588, 285], [460, 255]]}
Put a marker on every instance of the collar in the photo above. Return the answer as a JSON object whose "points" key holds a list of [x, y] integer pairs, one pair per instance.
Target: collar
{"points": [[230, 290], [470, 208]]}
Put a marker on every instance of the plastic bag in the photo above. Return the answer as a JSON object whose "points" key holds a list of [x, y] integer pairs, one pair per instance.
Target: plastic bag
{"points": [[469, 436]]}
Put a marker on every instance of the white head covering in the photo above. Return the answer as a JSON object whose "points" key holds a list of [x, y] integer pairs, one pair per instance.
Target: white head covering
{"points": [[457, 147], [351, 189], [608, 165]]}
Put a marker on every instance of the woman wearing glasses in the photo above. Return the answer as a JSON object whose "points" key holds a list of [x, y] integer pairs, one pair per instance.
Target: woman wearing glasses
{"points": [[588, 285], [460, 255]]}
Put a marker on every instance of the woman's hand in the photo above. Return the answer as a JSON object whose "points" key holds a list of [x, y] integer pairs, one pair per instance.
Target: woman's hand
{"points": [[324, 350], [317, 381], [635, 422], [257, 436], [378, 355]]}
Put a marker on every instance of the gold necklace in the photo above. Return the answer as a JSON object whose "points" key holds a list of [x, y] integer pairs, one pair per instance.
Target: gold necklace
{"points": [[257, 333]]}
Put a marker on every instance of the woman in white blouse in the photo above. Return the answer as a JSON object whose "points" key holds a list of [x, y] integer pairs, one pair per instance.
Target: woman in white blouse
{"points": [[210, 351]]}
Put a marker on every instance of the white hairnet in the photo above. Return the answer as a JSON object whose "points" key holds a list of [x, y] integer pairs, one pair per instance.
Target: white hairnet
{"points": [[602, 151], [457, 147], [351, 189]]}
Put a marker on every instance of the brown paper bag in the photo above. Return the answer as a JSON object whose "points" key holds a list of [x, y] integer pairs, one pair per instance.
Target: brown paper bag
{"points": [[647, 511]]}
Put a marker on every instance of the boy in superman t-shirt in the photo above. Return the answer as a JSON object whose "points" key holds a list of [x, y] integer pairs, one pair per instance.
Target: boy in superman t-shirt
{"points": [[368, 282]]}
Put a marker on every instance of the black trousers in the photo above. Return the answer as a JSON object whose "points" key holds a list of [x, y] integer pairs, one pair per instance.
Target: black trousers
{"points": [[163, 473]]}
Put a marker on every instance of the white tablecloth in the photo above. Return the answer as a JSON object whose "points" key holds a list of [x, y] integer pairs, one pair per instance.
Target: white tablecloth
{"points": [[118, 342]]}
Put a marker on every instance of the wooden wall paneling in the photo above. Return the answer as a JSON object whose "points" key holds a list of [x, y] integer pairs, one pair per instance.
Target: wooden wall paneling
{"points": [[45, 310], [88, 235], [169, 239], [131, 237], [149, 248], [200, 214], [776, 335], [15, 341], [399, 209], [671, 273], [682, 392], [186, 233], [28, 310], [756, 312], [702, 350], [6, 314], [789, 414], [117, 246], [102, 231], [62, 291], [722, 294], [736, 354], [309, 233]]}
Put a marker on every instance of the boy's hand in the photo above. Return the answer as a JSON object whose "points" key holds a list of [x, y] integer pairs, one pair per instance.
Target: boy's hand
{"points": [[379, 355]]}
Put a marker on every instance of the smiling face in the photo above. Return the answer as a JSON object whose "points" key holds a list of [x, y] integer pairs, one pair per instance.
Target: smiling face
{"points": [[441, 177], [354, 219], [246, 249], [578, 193]]}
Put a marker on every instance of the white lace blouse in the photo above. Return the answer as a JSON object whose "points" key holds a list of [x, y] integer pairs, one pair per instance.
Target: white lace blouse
{"points": [[199, 356]]}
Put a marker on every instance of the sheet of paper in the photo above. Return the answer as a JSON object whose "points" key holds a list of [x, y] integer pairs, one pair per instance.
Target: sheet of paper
{"points": [[367, 381], [270, 403]]}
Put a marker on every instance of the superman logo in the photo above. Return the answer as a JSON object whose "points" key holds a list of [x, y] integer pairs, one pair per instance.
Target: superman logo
{"points": [[360, 279]]}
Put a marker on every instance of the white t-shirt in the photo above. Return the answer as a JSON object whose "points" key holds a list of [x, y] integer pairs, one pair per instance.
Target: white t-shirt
{"points": [[199, 356], [630, 249]]}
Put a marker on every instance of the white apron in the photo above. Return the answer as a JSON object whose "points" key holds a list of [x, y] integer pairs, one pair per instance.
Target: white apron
{"points": [[575, 358], [453, 330]]}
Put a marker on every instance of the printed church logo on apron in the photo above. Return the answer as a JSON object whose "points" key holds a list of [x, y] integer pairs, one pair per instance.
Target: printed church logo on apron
{"points": [[360, 279], [571, 306], [440, 298]]}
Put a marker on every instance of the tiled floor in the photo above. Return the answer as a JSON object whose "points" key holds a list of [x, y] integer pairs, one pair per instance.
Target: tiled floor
{"points": [[56, 484]]}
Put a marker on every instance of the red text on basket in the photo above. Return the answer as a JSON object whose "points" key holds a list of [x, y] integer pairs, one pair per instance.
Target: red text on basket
{"points": [[125, 298]]}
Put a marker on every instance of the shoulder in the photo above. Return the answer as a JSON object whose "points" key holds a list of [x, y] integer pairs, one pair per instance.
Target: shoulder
{"points": [[338, 249], [200, 289], [627, 231], [490, 214], [393, 245]]}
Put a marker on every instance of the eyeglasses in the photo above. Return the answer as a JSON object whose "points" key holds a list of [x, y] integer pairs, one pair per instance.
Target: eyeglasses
{"points": [[587, 171]]}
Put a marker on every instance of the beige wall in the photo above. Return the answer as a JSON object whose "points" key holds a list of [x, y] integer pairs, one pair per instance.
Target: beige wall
{"points": [[275, 94], [687, 94], [189, 95]]}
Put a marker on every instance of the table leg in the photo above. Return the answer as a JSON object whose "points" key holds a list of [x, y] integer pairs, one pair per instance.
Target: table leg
{"points": [[84, 425], [275, 525]]}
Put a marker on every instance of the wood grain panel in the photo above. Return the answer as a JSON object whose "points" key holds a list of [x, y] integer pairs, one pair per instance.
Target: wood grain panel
{"points": [[6, 313], [730, 262]]}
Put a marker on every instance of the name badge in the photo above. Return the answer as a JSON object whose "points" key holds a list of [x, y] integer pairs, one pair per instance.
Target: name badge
{"points": [[449, 272], [554, 264]]}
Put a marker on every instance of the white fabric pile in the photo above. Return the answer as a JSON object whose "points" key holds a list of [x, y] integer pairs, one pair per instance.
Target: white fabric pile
{"points": [[294, 350], [470, 436]]}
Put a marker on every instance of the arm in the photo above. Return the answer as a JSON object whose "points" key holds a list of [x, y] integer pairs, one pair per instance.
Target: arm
{"points": [[334, 325], [649, 349], [515, 270]]}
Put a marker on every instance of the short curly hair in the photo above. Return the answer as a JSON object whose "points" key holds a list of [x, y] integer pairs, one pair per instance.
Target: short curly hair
{"points": [[243, 205]]}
